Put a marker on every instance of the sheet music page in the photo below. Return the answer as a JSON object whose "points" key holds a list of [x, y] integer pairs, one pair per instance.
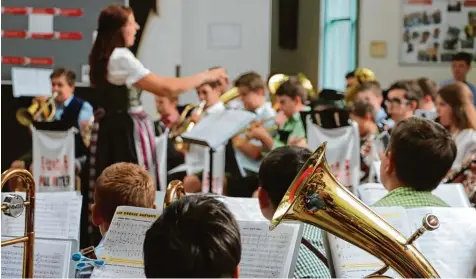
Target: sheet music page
{"points": [[451, 248], [52, 259], [453, 194], [57, 215], [246, 209], [268, 254], [352, 262], [224, 125], [371, 193], [118, 271]]}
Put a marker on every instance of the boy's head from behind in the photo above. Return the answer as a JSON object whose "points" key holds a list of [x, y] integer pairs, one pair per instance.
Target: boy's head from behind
{"points": [[195, 237], [276, 173], [419, 155], [121, 184]]}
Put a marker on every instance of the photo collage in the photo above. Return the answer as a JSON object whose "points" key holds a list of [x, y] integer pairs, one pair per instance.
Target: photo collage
{"points": [[434, 30]]}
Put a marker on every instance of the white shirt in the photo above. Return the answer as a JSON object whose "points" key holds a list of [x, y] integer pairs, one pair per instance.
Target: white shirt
{"points": [[125, 68], [465, 145]]}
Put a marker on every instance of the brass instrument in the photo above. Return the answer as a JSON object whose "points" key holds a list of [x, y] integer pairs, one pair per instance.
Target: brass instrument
{"points": [[255, 124], [455, 174], [13, 206], [275, 81], [317, 198], [47, 110], [362, 75], [174, 189]]}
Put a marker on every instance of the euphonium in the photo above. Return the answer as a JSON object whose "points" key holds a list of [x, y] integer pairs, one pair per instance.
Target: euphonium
{"points": [[47, 110], [13, 206], [317, 198], [174, 190]]}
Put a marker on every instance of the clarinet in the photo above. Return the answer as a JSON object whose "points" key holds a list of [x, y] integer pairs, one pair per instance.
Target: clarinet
{"points": [[450, 178]]}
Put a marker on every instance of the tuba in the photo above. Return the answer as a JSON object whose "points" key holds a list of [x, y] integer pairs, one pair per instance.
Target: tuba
{"points": [[317, 198], [13, 206], [47, 110]]}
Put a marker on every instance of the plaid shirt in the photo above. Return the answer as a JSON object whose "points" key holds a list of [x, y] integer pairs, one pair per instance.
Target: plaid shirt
{"points": [[309, 265], [408, 198]]}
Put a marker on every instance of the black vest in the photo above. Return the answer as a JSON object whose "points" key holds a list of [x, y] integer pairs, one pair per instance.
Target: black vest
{"points": [[68, 120]]}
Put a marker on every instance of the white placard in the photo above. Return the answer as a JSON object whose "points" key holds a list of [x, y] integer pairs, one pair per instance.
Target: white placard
{"points": [[224, 35], [40, 23], [31, 82]]}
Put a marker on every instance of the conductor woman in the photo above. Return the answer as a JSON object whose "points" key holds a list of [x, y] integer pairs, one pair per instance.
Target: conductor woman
{"points": [[123, 132]]}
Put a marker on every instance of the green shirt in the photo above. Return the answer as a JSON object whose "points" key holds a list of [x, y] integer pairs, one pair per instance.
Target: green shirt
{"points": [[408, 198], [294, 126], [309, 265]]}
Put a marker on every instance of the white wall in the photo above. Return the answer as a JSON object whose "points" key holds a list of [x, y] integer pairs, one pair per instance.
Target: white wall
{"points": [[380, 20]]}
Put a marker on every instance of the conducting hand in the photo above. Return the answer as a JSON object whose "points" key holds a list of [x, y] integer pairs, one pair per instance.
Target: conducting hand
{"points": [[215, 75]]}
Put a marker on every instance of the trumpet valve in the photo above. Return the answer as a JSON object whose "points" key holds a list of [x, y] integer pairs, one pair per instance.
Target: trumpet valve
{"points": [[13, 205]]}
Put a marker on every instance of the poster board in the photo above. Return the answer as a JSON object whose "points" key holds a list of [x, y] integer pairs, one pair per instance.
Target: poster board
{"points": [[56, 33], [432, 31]]}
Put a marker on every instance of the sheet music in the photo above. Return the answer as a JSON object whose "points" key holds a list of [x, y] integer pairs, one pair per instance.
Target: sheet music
{"points": [[57, 215], [31, 82], [125, 236], [352, 262], [246, 209], [451, 248], [224, 125], [52, 259], [118, 271], [371, 193], [268, 254]]}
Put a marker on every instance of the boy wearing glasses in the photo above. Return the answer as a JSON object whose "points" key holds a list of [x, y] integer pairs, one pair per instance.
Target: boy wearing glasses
{"points": [[402, 100]]}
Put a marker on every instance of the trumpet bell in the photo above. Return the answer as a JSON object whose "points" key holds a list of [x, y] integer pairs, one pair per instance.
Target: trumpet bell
{"points": [[317, 198], [24, 116], [175, 190]]}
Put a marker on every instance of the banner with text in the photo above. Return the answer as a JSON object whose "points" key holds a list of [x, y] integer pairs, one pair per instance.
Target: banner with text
{"points": [[342, 153], [53, 160]]}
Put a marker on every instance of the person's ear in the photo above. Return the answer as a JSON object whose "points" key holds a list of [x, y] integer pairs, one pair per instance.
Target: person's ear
{"points": [[263, 198], [236, 274], [390, 165], [95, 216]]}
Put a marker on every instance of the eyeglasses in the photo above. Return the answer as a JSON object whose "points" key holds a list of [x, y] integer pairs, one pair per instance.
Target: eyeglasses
{"points": [[396, 101]]}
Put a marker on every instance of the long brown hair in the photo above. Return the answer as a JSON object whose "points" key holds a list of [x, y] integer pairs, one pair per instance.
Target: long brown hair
{"points": [[460, 99], [109, 36]]}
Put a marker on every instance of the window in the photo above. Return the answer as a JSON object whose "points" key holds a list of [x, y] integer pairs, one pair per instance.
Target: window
{"points": [[338, 42]]}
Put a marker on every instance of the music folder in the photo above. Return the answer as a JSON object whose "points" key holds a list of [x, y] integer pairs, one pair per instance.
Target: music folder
{"points": [[216, 129]]}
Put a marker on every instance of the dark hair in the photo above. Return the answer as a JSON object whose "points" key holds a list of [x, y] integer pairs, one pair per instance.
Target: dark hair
{"points": [[422, 151], [350, 75], [195, 237], [68, 74], [463, 56], [252, 80], [459, 98], [428, 87], [373, 86], [361, 108], [292, 88], [109, 37], [279, 168], [411, 88]]}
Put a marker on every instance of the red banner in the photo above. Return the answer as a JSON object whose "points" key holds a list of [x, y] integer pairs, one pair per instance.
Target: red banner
{"points": [[45, 36], [23, 60], [44, 11]]}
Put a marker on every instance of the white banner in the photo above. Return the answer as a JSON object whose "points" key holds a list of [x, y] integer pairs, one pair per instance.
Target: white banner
{"points": [[53, 160], [218, 171], [343, 150], [161, 149]]}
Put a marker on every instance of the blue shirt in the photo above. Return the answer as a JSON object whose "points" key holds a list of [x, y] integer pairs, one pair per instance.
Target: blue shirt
{"points": [[85, 114], [471, 87]]}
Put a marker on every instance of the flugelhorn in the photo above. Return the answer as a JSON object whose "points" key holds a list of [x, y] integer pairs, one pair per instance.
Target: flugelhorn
{"points": [[13, 206], [317, 198], [46, 110]]}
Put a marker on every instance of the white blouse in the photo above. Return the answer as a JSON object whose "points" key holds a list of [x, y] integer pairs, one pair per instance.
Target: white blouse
{"points": [[466, 145], [125, 68]]}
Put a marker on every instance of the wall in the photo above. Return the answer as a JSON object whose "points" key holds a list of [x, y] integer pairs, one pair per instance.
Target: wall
{"points": [[380, 20], [305, 58]]}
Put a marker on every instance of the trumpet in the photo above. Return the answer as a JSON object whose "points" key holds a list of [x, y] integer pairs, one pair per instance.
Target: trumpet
{"points": [[46, 110], [13, 206], [256, 124], [317, 198]]}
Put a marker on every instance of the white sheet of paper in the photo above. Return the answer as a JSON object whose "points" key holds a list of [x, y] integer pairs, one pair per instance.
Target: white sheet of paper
{"points": [[268, 254], [31, 82], [224, 35], [118, 271], [39, 23], [52, 259], [246, 209], [57, 215], [451, 248]]}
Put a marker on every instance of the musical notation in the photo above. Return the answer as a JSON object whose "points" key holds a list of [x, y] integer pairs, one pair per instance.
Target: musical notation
{"points": [[51, 259], [265, 253], [57, 215], [118, 271]]}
